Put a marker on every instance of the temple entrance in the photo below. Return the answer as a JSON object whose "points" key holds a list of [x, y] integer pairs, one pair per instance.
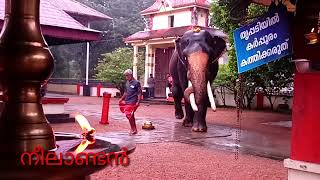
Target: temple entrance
{"points": [[162, 58]]}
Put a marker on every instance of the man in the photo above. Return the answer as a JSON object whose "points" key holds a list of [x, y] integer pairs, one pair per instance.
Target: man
{"points": [[169, 86], [130, 100], [151, 84]]}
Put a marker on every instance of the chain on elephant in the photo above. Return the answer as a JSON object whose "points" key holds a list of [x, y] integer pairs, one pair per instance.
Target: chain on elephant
{"points": [[240, 88]]}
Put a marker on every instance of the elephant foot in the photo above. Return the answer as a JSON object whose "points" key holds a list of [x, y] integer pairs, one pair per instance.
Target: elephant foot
{"points": [[199, 129], [186, 123], [179, 115]]}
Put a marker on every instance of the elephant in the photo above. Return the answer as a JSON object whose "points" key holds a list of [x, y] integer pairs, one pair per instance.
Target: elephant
{"points": [[193, 67]]}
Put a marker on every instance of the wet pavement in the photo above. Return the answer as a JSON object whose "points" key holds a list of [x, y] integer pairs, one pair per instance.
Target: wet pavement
{"points": [[272, 144], [171, 151]]}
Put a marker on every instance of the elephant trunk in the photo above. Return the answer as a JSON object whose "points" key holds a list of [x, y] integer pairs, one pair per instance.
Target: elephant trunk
{"points": [[198, 77]]}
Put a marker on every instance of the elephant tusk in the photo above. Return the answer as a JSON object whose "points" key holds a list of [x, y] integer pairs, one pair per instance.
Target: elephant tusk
{"points": [[192, 99], [211, 99], [193, 102]]}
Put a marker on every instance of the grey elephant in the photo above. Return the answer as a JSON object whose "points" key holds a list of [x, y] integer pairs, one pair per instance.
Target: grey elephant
{"points": [[193, 67]]}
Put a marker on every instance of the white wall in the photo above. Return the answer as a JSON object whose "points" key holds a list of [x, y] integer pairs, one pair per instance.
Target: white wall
{"points": [[202, 17], [181, 18], [160, 21], [230, 101]]}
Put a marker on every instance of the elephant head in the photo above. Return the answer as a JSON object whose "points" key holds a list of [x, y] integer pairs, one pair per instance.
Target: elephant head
{"points": [[197, 51]]}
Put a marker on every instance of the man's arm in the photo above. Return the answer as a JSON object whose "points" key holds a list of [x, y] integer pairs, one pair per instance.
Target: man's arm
{"points": [[124, 93], [123, 96], [139, 93]]}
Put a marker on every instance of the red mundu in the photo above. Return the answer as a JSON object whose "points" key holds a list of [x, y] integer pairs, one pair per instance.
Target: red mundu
{"points": [[127, 109]]}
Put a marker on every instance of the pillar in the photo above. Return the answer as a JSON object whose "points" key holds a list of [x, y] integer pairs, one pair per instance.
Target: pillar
{"points": [[304, 162], [135, 62], [152, 61], [87, 60], [146, 69]]}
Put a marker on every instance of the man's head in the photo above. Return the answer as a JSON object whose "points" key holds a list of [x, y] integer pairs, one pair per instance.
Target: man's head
{"points": [[128, 74], [151, 75]]}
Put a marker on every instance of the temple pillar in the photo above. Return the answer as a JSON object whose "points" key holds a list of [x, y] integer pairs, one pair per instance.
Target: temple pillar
{"points": [[152, 61], [135, 62], [147, 63]]}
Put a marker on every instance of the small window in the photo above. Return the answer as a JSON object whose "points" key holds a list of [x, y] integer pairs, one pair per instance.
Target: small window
{"points": [[171, 21]]}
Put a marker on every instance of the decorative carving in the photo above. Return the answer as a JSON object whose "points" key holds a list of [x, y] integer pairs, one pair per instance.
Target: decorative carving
{"points": [[146, 22], [194, 17]]}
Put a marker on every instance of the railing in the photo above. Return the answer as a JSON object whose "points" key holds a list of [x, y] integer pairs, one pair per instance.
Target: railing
{"points": [[92, 82]]}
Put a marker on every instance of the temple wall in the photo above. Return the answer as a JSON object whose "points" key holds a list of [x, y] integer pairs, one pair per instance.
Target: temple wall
{"points": [[181, 18], [202, 18]]}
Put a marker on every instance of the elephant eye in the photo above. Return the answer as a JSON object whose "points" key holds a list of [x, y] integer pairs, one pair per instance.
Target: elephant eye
{"points": [[185, 43]]}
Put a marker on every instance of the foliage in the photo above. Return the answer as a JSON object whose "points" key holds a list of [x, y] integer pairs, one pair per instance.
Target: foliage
{"points": [[223, 82], [66, 65], [274, 77], [126, 21], [221, 19], [112, 65]]}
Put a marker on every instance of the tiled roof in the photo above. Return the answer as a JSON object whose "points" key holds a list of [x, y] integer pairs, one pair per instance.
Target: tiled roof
{"points": [[162, 33], [57, 23], [75, 7], [154, 8], [181, 3], [52, 16], [176, 4]]}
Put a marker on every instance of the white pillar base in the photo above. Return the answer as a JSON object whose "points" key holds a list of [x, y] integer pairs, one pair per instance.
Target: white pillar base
{"points": [[300, 170]]}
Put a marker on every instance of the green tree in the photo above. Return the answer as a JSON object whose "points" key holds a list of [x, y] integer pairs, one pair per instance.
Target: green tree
{"points": [[223, 82], [275, 76], [112, 65], [126, 21], [221, 19]]}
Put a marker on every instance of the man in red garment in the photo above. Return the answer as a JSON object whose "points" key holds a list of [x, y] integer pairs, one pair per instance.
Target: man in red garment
{"points": [[130, 100]]}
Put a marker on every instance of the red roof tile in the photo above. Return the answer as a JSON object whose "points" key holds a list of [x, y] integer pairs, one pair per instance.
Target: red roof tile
{"points": [[162, 33], [154, 8], [52, 16], [176, 4], [181, 3], [57, 23], [75, 7]]}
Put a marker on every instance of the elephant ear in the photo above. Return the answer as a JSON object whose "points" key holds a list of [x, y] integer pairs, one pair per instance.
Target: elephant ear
{"points": [[178, 48], [219, 44]]}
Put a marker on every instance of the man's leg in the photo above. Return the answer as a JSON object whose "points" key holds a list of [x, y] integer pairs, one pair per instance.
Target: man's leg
{"points": [[149, 92], [132, 121], [167, 92], [153, 92]]}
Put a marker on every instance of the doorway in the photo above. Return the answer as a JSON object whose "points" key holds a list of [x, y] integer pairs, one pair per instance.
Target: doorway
{"points": [[162, 58]]}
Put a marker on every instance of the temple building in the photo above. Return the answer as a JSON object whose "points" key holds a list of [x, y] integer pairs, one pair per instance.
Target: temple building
{"points": [[165, 21], [66, 22]]}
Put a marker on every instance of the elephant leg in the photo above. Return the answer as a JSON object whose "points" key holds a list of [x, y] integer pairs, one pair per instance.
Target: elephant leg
{"points": [[188, 120], [199, 121], [177, 96]]}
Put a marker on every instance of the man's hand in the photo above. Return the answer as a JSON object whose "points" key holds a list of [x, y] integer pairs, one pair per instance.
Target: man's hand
{"points": [[122, 98]]}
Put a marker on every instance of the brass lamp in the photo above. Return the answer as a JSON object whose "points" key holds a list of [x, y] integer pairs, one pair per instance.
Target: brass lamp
{"points": [[313, 36]]}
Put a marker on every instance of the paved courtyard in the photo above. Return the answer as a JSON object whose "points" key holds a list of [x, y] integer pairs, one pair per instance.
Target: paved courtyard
{"points": [[174, 152]]}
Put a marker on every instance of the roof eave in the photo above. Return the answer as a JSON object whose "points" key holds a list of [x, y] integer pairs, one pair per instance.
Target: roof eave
{"points": [[103, 17], [174, 9]]}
